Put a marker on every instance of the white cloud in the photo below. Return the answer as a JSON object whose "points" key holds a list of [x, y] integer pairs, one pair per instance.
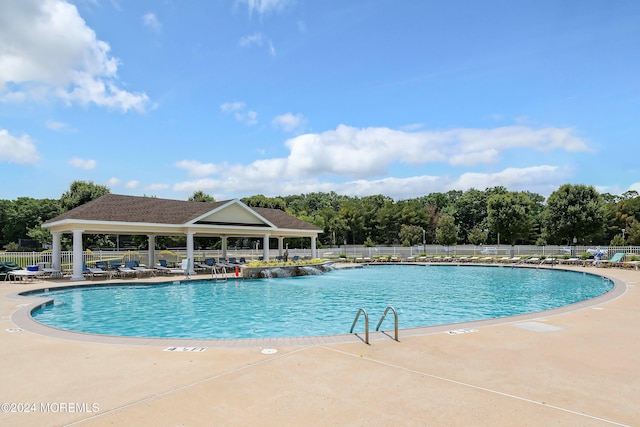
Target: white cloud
{"points": [[55, 125], [239, 111], [48, 51], [257, 39], [19, 150], [132, 184], [333, 152], [151, 21], [196, 168], [290, 122], [112, 182], [263, 7], [251, 40], [541, 179], [250, 117], [352, 161], [228, 107], [86, 164]]}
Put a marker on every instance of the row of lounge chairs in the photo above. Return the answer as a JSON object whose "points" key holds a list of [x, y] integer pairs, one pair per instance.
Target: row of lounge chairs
{"points": [[617, 260], [115, 268]]}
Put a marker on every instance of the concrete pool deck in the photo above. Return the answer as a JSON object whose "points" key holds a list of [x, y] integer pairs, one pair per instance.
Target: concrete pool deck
{"points": [[580, 366]]}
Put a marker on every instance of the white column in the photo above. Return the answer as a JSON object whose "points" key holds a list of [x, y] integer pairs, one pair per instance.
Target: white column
{"points": [[190, 251], [77, 255], [56, 251], [224, 247], [151, 238], [314, 252], [280, 246], [265, 247]]}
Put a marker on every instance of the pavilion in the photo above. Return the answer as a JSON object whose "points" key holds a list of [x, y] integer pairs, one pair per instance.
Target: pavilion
{"points": [[150, 216]]}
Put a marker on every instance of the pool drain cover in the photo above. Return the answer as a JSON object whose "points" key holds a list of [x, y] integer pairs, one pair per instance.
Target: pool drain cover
{"points": [[269, 351]]}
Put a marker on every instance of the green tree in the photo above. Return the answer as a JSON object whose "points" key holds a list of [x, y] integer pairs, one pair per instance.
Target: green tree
{"points": [[447, 230], [351, 215], [24, 214], [618, 240], [81, 192], [388, 223], [42, 235], [410, 234], [510, 215], [633, 232], [334, 226], [201, 196], [260, 201], [433, 216], [477, 236], [471, 211], [573, 211]]}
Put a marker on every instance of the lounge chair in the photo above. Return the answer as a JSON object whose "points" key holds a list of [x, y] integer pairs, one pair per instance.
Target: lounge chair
{"points": [[184, 269], [631, 264], [7, 267], [128, 269], [208, 264], [29, 273], [162, 267], [614, 261], [95, 271]]}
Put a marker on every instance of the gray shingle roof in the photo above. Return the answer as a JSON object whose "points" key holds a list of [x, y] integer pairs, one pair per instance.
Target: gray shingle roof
{"points": [[282, 219], [120, 208]]}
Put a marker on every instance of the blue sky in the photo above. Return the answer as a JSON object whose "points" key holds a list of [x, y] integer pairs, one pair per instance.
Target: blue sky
{"points": [[278, 97]]}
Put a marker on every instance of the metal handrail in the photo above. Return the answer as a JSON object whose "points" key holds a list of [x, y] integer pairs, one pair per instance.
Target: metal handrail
{"points": [[366, 324], [214, 274], [395, 315]]}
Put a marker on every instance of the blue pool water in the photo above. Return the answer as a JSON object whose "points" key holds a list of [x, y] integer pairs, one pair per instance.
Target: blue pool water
{"points": [[316, 305]]}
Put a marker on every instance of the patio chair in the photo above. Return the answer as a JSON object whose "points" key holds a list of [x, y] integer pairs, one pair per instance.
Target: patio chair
{"points": [[95, 271], [144, 270], [614, 261], [128, 269]]}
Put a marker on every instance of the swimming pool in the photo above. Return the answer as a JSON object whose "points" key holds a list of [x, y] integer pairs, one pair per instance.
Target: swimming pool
{"points": [[314, 305]]}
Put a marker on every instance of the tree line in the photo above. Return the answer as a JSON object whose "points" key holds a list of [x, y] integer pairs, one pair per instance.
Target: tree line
{"points": [[573, 214]]}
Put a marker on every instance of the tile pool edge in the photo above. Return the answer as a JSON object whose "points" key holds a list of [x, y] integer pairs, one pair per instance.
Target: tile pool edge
{"points": [[21, 317]]}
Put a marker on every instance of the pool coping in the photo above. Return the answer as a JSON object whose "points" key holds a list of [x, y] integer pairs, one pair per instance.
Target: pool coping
{"points": [[23, 320]]}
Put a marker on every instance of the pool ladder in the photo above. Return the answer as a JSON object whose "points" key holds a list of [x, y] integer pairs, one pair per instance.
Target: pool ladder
{"points": [[366, 322], [214, 274]]}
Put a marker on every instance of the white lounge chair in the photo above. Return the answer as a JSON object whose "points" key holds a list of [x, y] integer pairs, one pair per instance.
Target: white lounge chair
{"points": [[95, 271], [144, 270]]}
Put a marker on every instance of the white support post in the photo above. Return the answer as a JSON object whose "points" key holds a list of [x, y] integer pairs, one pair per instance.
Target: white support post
{"points": [[281, 246], [77, 256], [314, 252], [56, 253], [265, 247], [152, 250], [224, 246], [190, 235]]}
